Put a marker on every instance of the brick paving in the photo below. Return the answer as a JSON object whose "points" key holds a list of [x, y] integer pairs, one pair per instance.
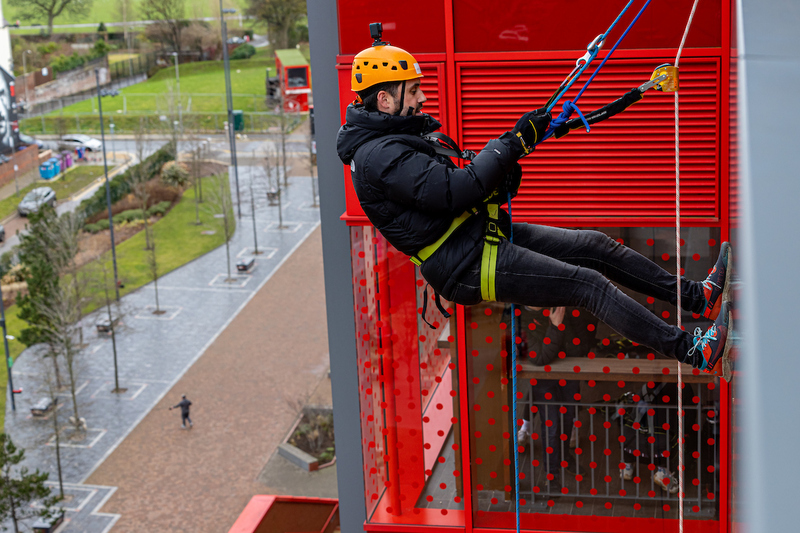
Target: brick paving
{"points": [[229, 346]]}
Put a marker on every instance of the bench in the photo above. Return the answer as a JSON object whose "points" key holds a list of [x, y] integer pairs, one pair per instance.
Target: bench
{"points": [[244, 265], [42, 407], [103, 325]]}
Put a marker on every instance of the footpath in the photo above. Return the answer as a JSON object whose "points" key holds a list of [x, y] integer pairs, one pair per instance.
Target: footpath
{"points": [[240, 351]]}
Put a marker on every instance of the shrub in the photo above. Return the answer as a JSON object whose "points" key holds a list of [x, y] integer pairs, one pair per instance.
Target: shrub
{"points": [[62, 63], [175, 174], [102, 224], [91, 228], [120, 185], [100, 49], [160, 209], [243, 51]]}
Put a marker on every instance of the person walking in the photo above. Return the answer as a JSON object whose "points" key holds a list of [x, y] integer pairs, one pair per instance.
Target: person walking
{"points": [[184, 404]]}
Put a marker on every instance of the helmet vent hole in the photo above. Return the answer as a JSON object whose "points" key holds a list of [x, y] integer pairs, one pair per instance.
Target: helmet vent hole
{"points": [[358, 77], [366, 63], [403, 64], [394, 67], [385, 64], [375, 67]]}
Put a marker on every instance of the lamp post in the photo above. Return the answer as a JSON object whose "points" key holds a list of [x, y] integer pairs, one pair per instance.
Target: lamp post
{"points": [[24, 74], [178, 82], [8, 356], [229, 95], [100, 94]]}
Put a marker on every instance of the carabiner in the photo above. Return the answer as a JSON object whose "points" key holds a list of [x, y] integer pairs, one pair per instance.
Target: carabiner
{"points": [[597, 43]]}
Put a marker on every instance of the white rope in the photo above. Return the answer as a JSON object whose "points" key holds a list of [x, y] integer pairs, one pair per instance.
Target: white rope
{"points": [[681, 439]]}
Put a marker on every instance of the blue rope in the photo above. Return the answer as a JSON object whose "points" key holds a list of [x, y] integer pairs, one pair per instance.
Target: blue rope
{"points": [[569, 106], [593, 54], [514, 384]]}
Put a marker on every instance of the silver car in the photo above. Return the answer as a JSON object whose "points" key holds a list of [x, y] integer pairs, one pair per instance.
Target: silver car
{"points": [[70, 142], [35, 199]]}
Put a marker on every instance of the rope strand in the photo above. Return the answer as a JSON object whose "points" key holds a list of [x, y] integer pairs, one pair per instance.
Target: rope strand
{"points": [[681, 437]]}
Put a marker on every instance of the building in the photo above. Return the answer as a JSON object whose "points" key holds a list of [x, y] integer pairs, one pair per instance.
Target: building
{"points": [[423, 419]]}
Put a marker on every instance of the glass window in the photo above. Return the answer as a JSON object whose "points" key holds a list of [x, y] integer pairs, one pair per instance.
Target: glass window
{"points": [[408, 385], [296, 77], [596, 421]]}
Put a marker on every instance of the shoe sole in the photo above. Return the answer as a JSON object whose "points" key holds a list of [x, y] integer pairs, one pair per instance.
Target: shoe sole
{"points": [[724, 367], [726, 292]]}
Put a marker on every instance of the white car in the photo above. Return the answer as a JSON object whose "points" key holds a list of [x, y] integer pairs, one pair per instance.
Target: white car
{"points": [[78, 140], [35, 199]]}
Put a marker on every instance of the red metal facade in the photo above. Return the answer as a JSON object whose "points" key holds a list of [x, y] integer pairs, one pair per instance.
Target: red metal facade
{"points": [[483, 68]]}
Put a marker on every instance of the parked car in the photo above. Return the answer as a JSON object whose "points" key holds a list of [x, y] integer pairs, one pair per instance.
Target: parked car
{"points": [[35, 199], [70, 142], [28, 140], [2, 233], [4, 159]]}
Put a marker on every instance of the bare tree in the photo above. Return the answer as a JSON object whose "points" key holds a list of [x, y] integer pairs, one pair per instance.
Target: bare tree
{"points": [[279, 16], [62, 313], [169, 15], [52, 387], [274, 194], [221, 206], [139, 181], [49, 9], [152, 264]]}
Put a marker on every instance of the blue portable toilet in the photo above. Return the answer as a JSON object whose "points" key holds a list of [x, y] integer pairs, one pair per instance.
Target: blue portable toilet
{"points": [[46, 170], [56, 166]]}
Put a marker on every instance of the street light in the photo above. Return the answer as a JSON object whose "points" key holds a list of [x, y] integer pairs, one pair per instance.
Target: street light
{"points": [[24, 74], [229, 101], [6, 336], [178, 82], [100, 94]]}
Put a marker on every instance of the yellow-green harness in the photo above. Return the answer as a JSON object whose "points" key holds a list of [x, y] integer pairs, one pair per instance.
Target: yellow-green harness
{"points": [[492, 235]]}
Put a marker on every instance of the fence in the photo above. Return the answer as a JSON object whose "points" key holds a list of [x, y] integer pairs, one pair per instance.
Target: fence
{"points": [[601, 447], [254, 122]]}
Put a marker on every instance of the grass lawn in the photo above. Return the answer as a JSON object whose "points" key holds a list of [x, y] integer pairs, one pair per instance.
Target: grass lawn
{"points": [[178, 241], [109, 11], [202, 89], [120, 57], [75, 179]]}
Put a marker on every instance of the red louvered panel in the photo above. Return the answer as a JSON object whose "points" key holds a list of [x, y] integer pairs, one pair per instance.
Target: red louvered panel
{"points": [[623, 169], [432, 85]]}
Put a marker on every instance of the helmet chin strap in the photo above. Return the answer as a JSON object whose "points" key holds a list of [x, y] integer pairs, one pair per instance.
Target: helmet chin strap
{"points": [[402, 97]]}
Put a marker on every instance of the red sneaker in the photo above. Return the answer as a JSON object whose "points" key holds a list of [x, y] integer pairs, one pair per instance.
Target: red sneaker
{"points": [[716, 287], [710, 350]]}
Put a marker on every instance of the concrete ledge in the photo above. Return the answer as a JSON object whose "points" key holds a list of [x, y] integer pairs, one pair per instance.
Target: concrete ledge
{"points": [[298, 457]]}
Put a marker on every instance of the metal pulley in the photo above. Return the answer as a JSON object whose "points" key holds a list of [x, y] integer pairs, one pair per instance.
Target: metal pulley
{"points": [[670, 83]]}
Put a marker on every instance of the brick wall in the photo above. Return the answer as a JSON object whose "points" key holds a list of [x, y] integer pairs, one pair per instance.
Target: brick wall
{"points": [[26, 160], [72, 82]]}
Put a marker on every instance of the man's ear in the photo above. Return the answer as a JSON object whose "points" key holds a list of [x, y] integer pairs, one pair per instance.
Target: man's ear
{"points": [[385, 101]]}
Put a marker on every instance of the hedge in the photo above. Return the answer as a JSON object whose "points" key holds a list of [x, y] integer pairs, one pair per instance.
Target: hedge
{"points": [[120, 185]]}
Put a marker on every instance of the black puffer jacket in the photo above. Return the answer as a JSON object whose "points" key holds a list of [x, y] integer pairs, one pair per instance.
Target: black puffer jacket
{"points": [[411, 194]]}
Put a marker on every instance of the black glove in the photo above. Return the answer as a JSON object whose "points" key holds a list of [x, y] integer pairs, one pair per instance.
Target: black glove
{"points": [[531, 127], [607, 111]]}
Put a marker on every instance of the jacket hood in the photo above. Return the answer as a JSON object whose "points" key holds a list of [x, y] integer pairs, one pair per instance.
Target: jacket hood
{"points": [[362, 126]]}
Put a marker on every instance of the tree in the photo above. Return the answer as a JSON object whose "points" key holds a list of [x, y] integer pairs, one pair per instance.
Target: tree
{"points": [[152, 264], [221, 205], [168, 15], [19, 487], [139, 179], [280, 16], [50, 9], [42, 277]]}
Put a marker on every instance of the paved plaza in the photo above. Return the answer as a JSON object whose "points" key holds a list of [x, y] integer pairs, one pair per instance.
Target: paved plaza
{"points": [[156, 354]]}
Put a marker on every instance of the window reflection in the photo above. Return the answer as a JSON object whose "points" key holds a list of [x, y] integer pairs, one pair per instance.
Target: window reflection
{"points": [[596, 421]]}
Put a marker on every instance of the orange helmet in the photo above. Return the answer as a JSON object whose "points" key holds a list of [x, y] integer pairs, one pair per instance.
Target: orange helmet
{"points": [[380, 63]]}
